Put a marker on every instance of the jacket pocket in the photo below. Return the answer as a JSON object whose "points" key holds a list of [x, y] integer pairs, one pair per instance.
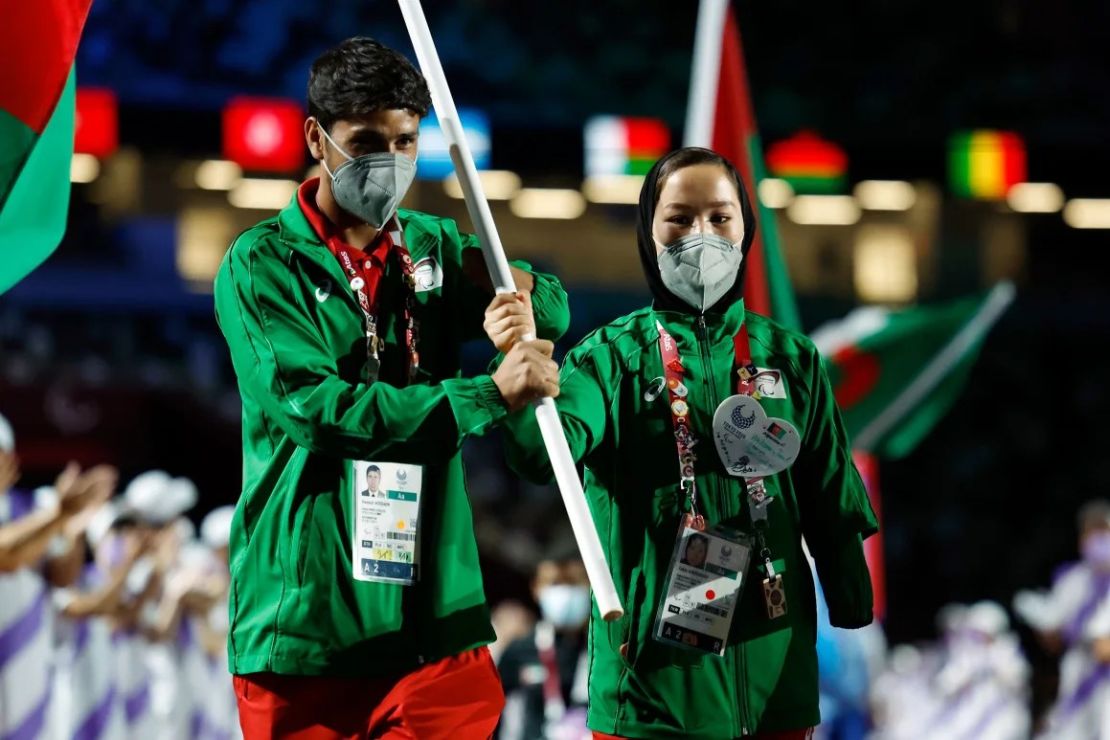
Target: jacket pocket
{"points": [[302, 536], [623, 634]]}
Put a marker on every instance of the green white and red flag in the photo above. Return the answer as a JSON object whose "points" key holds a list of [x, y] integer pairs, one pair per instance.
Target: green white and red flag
{"points": [[720, 116], [38, 43]]}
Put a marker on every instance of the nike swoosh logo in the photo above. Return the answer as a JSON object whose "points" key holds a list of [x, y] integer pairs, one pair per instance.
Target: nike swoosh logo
{"points": [[323, 292]]}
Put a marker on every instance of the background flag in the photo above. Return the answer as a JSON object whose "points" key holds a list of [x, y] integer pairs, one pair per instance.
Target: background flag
{"points": [[38, 42], [720, 116], [896, 373]]}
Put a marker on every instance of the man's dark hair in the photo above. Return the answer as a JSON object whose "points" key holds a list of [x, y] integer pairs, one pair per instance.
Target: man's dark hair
{"points": [[361, 76], [372, 469]]}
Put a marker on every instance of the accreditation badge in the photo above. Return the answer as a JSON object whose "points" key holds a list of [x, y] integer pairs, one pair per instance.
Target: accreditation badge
{"points": [[703, 588], [386, 546]]}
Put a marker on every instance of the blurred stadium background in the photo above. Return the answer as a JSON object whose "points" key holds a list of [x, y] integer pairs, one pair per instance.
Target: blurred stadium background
{"points": [[189, 130]]}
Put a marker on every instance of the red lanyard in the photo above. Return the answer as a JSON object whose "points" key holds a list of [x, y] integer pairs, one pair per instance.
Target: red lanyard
{"points": [[552, 681], [673, 372], [364, 285]]}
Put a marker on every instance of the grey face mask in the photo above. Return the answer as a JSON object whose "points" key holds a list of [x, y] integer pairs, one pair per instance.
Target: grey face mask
{"points": [[371, 186], [700, 268]]}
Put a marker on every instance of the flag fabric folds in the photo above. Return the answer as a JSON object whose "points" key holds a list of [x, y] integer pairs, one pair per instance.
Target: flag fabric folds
{"points": [[38, 43], [720, 116], [896, 373]]}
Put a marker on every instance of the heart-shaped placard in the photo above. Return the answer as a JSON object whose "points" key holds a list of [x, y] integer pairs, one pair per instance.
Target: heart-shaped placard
{"points": [[751, 444]]}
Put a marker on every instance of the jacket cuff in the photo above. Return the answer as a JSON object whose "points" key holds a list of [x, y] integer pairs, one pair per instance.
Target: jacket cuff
{"points": [[846, 582], [476, 403], [549, 307]]}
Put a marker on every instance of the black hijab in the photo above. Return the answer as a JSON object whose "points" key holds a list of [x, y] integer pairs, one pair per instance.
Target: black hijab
{"points": [[649, 196]]}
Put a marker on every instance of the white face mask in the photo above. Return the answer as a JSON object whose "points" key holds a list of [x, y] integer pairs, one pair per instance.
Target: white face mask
{"points": [[564, 605], [371, 186], [700, 268], [1096, 549]]}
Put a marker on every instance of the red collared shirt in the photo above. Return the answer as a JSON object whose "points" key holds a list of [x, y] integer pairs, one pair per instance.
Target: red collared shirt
{"points": [[370, 264]]}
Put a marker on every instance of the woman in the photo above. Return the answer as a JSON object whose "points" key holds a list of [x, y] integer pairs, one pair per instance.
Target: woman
{"points": [[645, 431]]}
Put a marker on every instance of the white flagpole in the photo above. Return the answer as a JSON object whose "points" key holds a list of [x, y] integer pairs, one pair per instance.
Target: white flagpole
{"points": [[704, 73], [1000, 297], [547, 416]]}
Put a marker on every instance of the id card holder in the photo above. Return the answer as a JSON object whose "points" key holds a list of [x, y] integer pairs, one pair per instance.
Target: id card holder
{"points": [[702, 589], [386, 547]]}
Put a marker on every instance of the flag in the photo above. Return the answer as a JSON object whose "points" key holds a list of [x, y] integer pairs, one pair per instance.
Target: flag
{"points": [[38, 42], [720, 116], [896, 373], [868, 468]]}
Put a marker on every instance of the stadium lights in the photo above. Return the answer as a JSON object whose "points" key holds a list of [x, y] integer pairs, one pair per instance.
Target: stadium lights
{"points": [[218, 174], [775, 192], [885, 195], [262, 194], [1088, 213], [613, 189], [831, 210], [884, 264], [1035, 197], [84, 168], [552, 203], [497, 184]]}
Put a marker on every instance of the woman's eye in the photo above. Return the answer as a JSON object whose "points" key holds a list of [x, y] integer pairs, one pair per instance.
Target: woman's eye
{"points": [[719, 218], [679, 220]]}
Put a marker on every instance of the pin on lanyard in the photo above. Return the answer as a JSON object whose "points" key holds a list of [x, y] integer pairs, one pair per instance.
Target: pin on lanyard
{"points": [[758, 500], [673, 372], [374, 341]]}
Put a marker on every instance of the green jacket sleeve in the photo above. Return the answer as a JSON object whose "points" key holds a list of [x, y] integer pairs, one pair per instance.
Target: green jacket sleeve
{"points": [[284, 367], [836, 513], [549, 301], [583, 404]]}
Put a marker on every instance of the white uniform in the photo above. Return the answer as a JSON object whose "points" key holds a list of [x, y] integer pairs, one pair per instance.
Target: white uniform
{"points": [[25, 640], [85, 704], [218, 718], [1079, 608]]}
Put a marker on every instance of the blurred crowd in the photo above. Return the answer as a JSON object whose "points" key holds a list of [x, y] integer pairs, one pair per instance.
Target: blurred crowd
{"points": [[113, 607]]}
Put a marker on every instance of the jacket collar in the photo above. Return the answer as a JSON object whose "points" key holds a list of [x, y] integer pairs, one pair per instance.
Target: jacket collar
{"points": [[720, 328], [295, 230]]}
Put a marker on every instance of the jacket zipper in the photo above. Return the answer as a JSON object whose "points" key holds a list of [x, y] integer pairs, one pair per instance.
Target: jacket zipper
{"points": [[708, 368]]}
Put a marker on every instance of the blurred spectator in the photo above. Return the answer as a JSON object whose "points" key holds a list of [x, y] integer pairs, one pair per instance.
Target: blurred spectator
{"points": [[544, 673], [848, 662], [39, 532], [511, 620], [1074, 618], [975, 687]]}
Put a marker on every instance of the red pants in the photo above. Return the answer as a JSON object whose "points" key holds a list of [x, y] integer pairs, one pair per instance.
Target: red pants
{"points": [[805, 734], [458, 697]]}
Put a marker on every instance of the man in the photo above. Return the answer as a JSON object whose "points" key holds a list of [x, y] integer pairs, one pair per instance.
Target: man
{"points": [[544, 673], [344, 360], [373, 481]]}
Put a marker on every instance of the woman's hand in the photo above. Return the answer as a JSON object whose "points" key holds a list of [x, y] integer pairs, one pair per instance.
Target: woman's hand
{"points": [[509, 320]]}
